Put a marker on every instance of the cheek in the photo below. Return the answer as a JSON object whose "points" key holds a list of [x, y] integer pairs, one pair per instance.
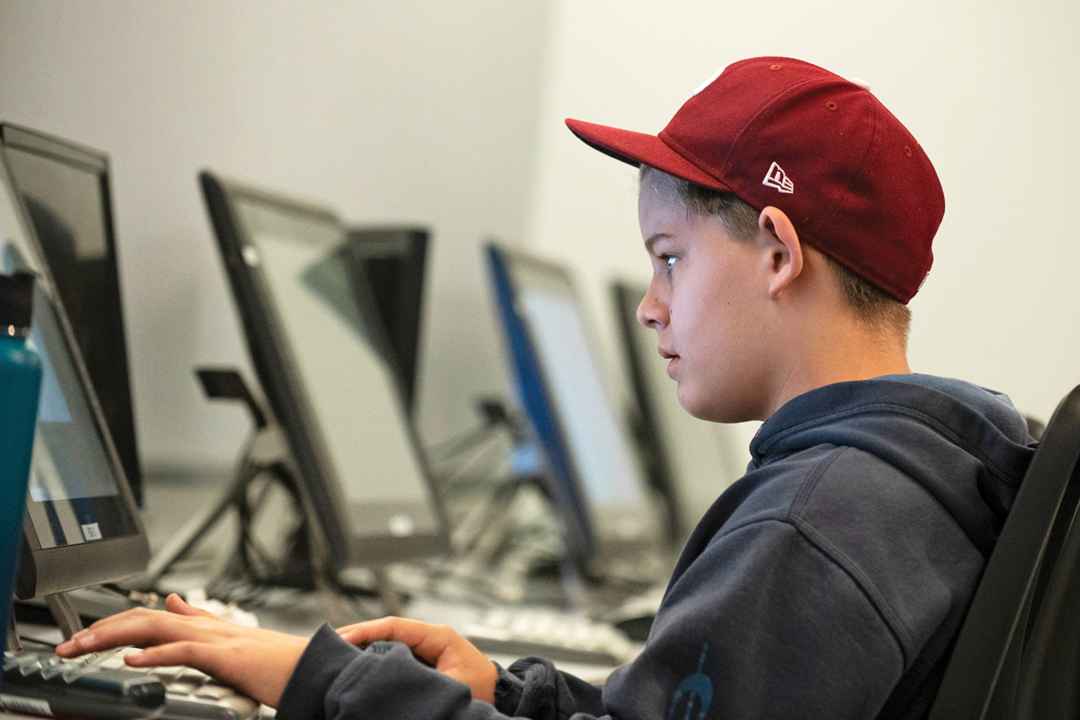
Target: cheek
{"points": [[704, 321], [714, 341]]}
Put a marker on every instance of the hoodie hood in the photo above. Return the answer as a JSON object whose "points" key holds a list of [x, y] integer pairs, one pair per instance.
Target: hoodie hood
{"points": [[938, 431]]}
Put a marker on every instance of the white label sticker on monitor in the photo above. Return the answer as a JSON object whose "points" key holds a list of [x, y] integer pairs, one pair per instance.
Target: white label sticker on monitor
{"points": [[401, 526], [91, 531]]}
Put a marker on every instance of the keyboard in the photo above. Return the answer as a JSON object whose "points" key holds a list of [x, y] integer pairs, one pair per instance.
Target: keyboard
{"points": [[550, 634], [100, 686], [43, 684]]}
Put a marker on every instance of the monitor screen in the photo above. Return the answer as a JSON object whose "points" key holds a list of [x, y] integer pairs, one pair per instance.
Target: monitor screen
{"points": [[81, 526], [566, 395], [321, 362], [391, 261], [64, 189], [689, 466]]}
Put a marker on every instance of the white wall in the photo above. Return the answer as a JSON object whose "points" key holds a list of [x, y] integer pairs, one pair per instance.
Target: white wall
{"points": [[991, 89], [387, 111], [450, 114]]}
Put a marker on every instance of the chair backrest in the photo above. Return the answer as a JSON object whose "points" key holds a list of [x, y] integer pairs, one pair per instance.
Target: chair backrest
{"points": [[1025, 615]]}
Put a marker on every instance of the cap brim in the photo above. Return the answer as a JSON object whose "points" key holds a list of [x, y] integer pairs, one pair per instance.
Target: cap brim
{"points": [[641, 149]]}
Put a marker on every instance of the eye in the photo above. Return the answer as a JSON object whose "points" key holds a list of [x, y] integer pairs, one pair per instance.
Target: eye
{"points": [[669, 260]]}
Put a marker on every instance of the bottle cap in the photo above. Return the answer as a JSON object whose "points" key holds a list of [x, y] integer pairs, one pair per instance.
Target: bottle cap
{"points": [[16, 300]]}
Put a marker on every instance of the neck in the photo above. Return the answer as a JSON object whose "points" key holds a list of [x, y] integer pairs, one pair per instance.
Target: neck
{"points": [[842, 351]]}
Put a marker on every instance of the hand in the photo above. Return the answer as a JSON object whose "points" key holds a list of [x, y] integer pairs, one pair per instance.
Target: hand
{"points": [[257, 662], [437, 645]]}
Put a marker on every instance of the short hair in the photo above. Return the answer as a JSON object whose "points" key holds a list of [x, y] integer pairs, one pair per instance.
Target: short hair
{"points": [[739, 218]]}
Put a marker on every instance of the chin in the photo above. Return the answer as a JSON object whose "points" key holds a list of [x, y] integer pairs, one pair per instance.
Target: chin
{"points": [[695, 406], [706, 409]]}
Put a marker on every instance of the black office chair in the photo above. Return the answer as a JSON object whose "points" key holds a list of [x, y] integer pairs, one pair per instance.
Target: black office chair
{"points": [[1018, 653]]}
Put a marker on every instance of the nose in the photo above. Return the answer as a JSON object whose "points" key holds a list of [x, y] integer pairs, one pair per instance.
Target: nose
{"points": [[651, 312]]}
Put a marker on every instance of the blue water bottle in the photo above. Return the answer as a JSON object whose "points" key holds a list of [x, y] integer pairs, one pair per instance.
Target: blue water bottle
{"points": [[20, 384]]}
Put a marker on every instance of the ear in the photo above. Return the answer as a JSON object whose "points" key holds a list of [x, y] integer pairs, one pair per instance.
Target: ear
{"points": [[786, 255]]}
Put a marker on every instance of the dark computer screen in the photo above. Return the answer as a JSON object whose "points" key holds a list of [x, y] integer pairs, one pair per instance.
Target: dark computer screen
{"points": [[64, 189], [598, 479], [391, 262], [322, 364], [644, 417], [686, 456], [81, 526]]}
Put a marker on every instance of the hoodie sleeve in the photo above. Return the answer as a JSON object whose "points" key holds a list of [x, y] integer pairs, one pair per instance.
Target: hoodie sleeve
{"points": [[335, 681], [533, 688]]}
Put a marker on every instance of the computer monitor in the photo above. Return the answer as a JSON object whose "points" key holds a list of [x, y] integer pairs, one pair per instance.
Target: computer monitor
{"points": [[81, 526], [643, 415], [686, 455], [64, 188], [597, 480], [322, 364], [391, 261]]}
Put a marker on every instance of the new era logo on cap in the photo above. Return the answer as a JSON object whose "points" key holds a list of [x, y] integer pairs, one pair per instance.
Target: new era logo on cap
{"points": [[708, 82], [776, 178]]}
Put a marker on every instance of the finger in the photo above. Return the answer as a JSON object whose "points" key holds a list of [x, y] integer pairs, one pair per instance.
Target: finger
{"points": [[260, 670], [438, 645], [347, 629], [175, 653], [176, 604], [121, 617], [139, 627], [97, 636], [366, 632], [200, 656], [426, 641], [409, 632]]}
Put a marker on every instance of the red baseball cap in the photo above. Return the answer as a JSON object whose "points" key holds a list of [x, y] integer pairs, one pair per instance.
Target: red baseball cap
{"points": [[782, 132]]}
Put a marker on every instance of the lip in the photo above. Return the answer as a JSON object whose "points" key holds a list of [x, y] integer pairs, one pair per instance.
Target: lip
{"points": [[672, 364], [673, 361]]}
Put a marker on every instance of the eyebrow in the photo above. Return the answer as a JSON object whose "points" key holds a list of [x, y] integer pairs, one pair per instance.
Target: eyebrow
{"points": [[655, 238]]}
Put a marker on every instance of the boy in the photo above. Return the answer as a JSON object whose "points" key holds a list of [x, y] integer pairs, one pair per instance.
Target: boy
{"points": [[788, 217]]}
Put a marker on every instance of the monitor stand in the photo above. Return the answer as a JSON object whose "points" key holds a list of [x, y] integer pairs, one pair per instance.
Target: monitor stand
{"points": [[64, 616], [481, 539], [266, 456], [13, 642]]}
